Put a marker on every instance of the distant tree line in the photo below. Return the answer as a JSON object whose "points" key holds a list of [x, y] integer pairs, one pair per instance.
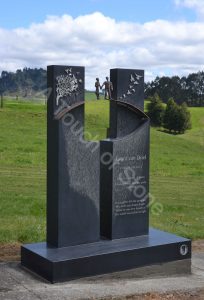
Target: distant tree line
{"points": [[24, 83], [188, 89], [173, 117]]}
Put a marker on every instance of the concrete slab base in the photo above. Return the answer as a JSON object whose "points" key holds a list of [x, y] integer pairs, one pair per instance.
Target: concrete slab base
{"points": [[16, 283]]}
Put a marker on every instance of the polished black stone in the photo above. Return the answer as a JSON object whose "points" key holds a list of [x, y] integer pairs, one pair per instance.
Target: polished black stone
{"points": [[105, 256], [124, 187], [128, 86], [124, 180], [72, 167]]}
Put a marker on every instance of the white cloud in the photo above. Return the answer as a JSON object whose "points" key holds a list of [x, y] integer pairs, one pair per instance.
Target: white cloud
{"points": [[100, 43], [197, 5]]}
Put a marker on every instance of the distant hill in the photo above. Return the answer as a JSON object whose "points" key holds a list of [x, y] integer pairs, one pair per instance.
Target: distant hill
{"points": [[24, 83]]}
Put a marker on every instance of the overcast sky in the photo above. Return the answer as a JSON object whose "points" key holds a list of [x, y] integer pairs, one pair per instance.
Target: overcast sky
{"points": [[163, 37]]}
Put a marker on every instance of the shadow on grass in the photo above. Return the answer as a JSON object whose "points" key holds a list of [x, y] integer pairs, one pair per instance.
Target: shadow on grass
{"points": [[170, 132]]}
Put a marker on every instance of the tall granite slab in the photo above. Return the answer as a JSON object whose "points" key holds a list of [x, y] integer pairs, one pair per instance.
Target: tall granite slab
{"points": [[97, 193], [72, 168], [124, 201], [128, 87]]}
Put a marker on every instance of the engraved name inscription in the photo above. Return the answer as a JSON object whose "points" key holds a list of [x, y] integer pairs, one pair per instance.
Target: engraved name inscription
{"points": [[130, 186]]}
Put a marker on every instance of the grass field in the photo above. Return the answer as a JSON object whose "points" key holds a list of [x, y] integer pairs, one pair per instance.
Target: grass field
{"points": [[177, 171]]}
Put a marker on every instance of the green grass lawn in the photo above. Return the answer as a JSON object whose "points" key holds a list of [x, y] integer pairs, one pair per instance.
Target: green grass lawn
{"points": [[177, 171]]}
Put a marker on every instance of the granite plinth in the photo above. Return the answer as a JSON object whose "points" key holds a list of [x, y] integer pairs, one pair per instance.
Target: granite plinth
{"points": [[105, 256]]}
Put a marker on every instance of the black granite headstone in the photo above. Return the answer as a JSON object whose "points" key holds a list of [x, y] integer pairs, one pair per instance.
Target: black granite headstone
{"points": [[98, 188]]}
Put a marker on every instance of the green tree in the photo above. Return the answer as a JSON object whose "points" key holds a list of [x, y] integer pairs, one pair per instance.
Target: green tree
{"points": [[156, 110], [177, 117], [184, 118], [170, 115]]}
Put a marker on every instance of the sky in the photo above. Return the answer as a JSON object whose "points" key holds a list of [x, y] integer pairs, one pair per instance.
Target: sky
{"points": [[163, 37]]}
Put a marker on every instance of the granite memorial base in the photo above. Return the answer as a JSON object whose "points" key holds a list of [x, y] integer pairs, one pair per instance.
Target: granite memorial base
{"points": [[105, 256]]}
